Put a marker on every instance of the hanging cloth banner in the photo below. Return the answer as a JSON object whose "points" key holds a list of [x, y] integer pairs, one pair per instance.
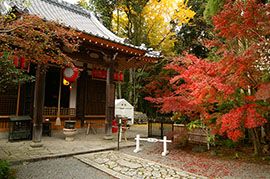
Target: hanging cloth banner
{"points": [[102, 74]]}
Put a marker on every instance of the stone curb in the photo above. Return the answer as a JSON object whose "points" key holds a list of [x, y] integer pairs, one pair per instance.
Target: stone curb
{"points": [[17, 162]]}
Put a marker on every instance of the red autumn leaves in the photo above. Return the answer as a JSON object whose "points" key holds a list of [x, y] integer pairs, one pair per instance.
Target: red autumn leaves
{"points": [[233, 77]]}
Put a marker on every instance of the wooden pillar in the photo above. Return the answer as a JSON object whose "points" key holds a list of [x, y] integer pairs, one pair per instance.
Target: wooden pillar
{"points": [[81, 94], [38, 106], [110, 97]]}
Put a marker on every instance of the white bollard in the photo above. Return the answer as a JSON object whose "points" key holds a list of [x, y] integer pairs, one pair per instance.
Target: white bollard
{"points": [[165, 151], [120, 133], [137, 149]]}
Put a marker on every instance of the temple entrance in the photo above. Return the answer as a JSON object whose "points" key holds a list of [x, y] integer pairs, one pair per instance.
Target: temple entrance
{"points": [[52, 90], [52, 108], [91, 96]]}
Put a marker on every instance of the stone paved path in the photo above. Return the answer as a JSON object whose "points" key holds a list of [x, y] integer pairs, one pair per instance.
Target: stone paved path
{"points": [[125, 166], [58, 168]]}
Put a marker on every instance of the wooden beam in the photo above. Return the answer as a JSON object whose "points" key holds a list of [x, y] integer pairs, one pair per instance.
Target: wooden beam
{"points": [[94, 116]]}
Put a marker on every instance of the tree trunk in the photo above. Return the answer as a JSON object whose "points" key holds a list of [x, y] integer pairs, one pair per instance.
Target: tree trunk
{"points": [[119, 90], [267, 132], [255, 137]]}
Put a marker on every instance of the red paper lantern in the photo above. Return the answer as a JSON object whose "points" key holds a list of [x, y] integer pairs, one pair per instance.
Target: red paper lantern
{"points": [[16, 61], [121, 76], [71, 74], [102, 74], [22, 62]]}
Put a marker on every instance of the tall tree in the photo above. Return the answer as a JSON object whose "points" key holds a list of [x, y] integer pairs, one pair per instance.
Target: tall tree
{"points": [[191, 36], [103, 8], [132, 14], [242, 30], [37, 40], [152, 23]]}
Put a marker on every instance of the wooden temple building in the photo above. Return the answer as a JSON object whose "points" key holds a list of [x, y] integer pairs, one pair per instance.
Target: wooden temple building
{"points": [[101, 59]]}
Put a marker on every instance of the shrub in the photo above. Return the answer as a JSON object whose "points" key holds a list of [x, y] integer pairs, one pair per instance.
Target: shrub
{"points": [[229, 143], [5, 171]]}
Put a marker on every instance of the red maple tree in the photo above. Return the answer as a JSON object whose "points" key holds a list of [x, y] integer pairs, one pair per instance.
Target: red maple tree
{"points": [[241, 28], [37, 40]]}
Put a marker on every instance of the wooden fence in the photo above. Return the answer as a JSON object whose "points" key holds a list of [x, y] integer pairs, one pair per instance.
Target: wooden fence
{"points": [[197, 135]]}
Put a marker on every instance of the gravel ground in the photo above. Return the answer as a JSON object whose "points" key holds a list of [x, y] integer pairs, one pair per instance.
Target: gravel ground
{"points": [[196, 163], [60, 168]]}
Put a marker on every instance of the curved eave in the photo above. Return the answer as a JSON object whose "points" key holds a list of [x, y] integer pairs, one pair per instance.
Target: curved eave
{"points": [[151, 59], [109, 44]]}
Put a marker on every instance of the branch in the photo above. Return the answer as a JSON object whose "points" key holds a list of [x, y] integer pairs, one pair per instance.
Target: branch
{"points": [[10, 30], [163, 39]]}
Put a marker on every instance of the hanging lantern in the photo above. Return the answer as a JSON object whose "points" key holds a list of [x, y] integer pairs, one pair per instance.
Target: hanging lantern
{"points": [[71, 74], [65, 82], [22, 59], [20, 62], [16, 61], [102, 74]]}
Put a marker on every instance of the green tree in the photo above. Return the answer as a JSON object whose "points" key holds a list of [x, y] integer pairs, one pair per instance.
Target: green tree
{"points": [[9, 74], [103, 8], [191, 36]]}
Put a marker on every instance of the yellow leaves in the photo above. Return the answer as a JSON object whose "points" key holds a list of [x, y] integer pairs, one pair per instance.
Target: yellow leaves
{"points": [[158, 19], [159, 15], [120, 23], [183, 13]]}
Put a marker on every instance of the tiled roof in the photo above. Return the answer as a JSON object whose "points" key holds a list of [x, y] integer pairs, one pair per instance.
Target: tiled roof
{"points": [[72, 16]]}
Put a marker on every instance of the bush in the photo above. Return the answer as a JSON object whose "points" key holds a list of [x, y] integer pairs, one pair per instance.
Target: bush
{"points": [[140, 118], [5, 171], [229, 143]]}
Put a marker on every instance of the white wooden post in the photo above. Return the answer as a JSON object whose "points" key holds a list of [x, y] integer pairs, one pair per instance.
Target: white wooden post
{"points": [[165, 151], [153, 140], [120, 129], [137, 149]]}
